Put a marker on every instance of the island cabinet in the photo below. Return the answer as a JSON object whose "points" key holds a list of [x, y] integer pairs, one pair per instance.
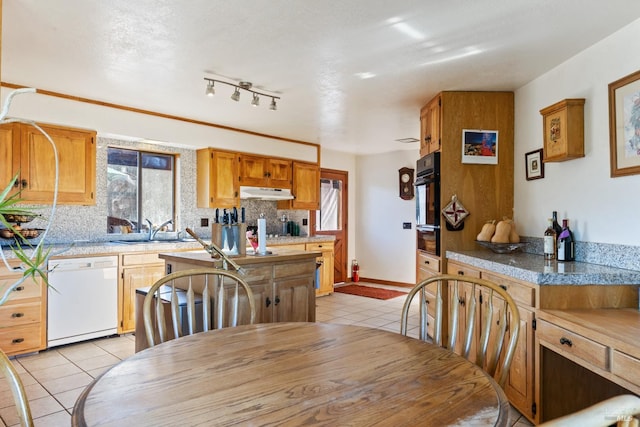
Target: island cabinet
{"points": [[23, 327], [522, 385], [217, 178], [258, 171], [282, 283], [26, 152]]}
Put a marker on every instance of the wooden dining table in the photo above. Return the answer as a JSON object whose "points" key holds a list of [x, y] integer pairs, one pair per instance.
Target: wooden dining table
{"points": [[293, 374]]}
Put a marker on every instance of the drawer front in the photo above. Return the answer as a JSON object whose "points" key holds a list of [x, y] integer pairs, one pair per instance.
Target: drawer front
{"points": [[294, 246], [291, 269], [20, 314], [319, 247], [459, 269], [520, 293], [135, 259], [626, 367], [21, 339], [577, 345], [426, 262], [27, 289]]}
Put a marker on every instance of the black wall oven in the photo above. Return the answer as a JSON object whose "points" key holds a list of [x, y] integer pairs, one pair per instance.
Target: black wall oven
{"points": [[428, 203]]}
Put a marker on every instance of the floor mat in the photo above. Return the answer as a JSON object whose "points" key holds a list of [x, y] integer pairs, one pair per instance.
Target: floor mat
{"points": [[369, 291]]}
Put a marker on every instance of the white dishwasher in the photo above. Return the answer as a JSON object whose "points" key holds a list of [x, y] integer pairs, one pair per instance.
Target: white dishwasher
{"points": [[83, 303]]}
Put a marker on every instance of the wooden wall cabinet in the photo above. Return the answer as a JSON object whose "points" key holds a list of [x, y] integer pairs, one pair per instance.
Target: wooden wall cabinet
{"points": [[563, 130], [23, 318], [25, 150], [259, 171], [217, 180], [485, 190], [305, 188], [430, 127]]}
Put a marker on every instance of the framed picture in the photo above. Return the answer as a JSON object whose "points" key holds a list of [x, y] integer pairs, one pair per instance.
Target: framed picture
{"points": [[480, 146], [534, 165], [624, 125]]}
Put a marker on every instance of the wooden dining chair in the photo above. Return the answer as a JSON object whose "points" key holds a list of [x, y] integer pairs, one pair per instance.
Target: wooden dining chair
{"points": [[483, 322], [10, 374], [226, 301], [617, 410]]}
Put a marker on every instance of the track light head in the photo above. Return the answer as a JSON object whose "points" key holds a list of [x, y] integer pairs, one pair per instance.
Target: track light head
{"points": [[236, 95], [273, 105], [255, 101], [210, 89]]}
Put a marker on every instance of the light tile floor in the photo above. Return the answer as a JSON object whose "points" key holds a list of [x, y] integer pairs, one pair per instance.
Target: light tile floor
{"points": [[54, 378]]}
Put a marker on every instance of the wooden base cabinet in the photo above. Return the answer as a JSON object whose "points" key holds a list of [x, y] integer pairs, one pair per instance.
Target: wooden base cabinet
{"points": [[23, 318], [137, 270], [326, 277]]}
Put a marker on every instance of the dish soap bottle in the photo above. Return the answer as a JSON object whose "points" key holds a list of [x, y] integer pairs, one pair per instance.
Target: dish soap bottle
{"points": [[550, 247]]}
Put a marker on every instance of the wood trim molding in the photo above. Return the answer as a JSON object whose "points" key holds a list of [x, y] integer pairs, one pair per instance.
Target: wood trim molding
{"points": [[385, 282], [161, 115]]}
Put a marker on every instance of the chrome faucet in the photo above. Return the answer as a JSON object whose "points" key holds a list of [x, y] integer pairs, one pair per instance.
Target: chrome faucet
{"points": [[153, 232]]}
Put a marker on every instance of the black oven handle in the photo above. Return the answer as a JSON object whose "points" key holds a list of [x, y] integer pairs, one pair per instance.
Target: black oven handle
{"points": [[425, 180], [427, 227]]}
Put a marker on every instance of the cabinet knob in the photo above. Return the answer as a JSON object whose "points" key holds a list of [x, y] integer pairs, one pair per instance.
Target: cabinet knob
{"points": [[426, 261], [566, 341], [503, 287], [461, 273], [277, 300], [461, 301], [268, 302], [17, 340], [17, 315], [24, 183], [19, 288]]}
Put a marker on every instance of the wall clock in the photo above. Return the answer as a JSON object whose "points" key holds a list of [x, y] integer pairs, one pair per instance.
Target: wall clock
{"points": [[405, 180]]}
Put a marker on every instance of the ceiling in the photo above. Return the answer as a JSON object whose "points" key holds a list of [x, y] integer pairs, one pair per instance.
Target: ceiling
{"points": [[154, 55]]}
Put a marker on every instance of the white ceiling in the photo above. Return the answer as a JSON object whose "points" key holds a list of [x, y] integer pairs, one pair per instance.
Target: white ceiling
{"points": [[154, 55]]}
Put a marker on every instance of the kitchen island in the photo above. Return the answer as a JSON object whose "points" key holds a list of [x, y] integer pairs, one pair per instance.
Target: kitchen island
{"points": [[283, 283]]}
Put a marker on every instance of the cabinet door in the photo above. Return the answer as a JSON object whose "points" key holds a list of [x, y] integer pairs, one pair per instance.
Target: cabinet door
{"points": [[9, 153], [134, 278], [76, 163], [326, 269], [217, 179], [253, 170], [306, 186], [434, 125], [279, 173], [292, 299], [519, 387]]}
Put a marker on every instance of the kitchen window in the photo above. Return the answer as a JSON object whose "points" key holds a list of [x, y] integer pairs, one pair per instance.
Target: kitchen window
{"points": [[140, 189]]}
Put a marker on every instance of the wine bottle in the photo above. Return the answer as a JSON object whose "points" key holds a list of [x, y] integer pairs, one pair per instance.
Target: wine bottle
{"points": [[550, 247], [566, 244], [556, 226]]}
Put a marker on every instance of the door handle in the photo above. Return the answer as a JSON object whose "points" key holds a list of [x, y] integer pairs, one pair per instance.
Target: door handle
{"points": [[268, 302]]}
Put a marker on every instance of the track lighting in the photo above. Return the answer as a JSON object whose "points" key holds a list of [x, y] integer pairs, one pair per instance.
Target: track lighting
{"points": [[244, 85]]}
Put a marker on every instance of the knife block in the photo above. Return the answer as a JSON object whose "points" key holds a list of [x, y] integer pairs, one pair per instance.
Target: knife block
{"points": [[231, 238]]}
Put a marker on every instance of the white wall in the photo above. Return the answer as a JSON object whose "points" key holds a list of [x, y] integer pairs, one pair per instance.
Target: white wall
{"points": [[385, 251], [600, 209]]}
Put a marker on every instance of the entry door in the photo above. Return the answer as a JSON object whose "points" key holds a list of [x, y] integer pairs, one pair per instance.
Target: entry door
{"points": [[331, 219]]}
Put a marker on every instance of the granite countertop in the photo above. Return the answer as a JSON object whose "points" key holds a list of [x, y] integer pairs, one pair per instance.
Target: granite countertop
{"points": [[88, 248], [204, 259], [533, 268]]}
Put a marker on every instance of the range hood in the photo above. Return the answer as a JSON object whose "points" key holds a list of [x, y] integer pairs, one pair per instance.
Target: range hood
{"points": [[260, 193]]}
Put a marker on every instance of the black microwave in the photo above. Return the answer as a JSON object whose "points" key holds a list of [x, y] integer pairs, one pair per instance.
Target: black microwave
{"points": [[428, 202]]}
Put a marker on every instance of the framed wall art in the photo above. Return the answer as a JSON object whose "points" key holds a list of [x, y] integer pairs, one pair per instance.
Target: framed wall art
{"points": [[534, 166], [624, 125], [480, 146]]}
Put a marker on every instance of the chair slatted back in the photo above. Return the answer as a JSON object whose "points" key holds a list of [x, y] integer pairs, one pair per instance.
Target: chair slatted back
{"points": [[10, 374], [226, 300], [481, 318]]}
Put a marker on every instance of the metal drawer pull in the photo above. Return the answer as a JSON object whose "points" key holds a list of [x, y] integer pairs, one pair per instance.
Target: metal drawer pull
{"points": [[19, 288], [17, 340], [503, 287], [17, 315], [461, 273], [426, 261], [566, 341]]}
